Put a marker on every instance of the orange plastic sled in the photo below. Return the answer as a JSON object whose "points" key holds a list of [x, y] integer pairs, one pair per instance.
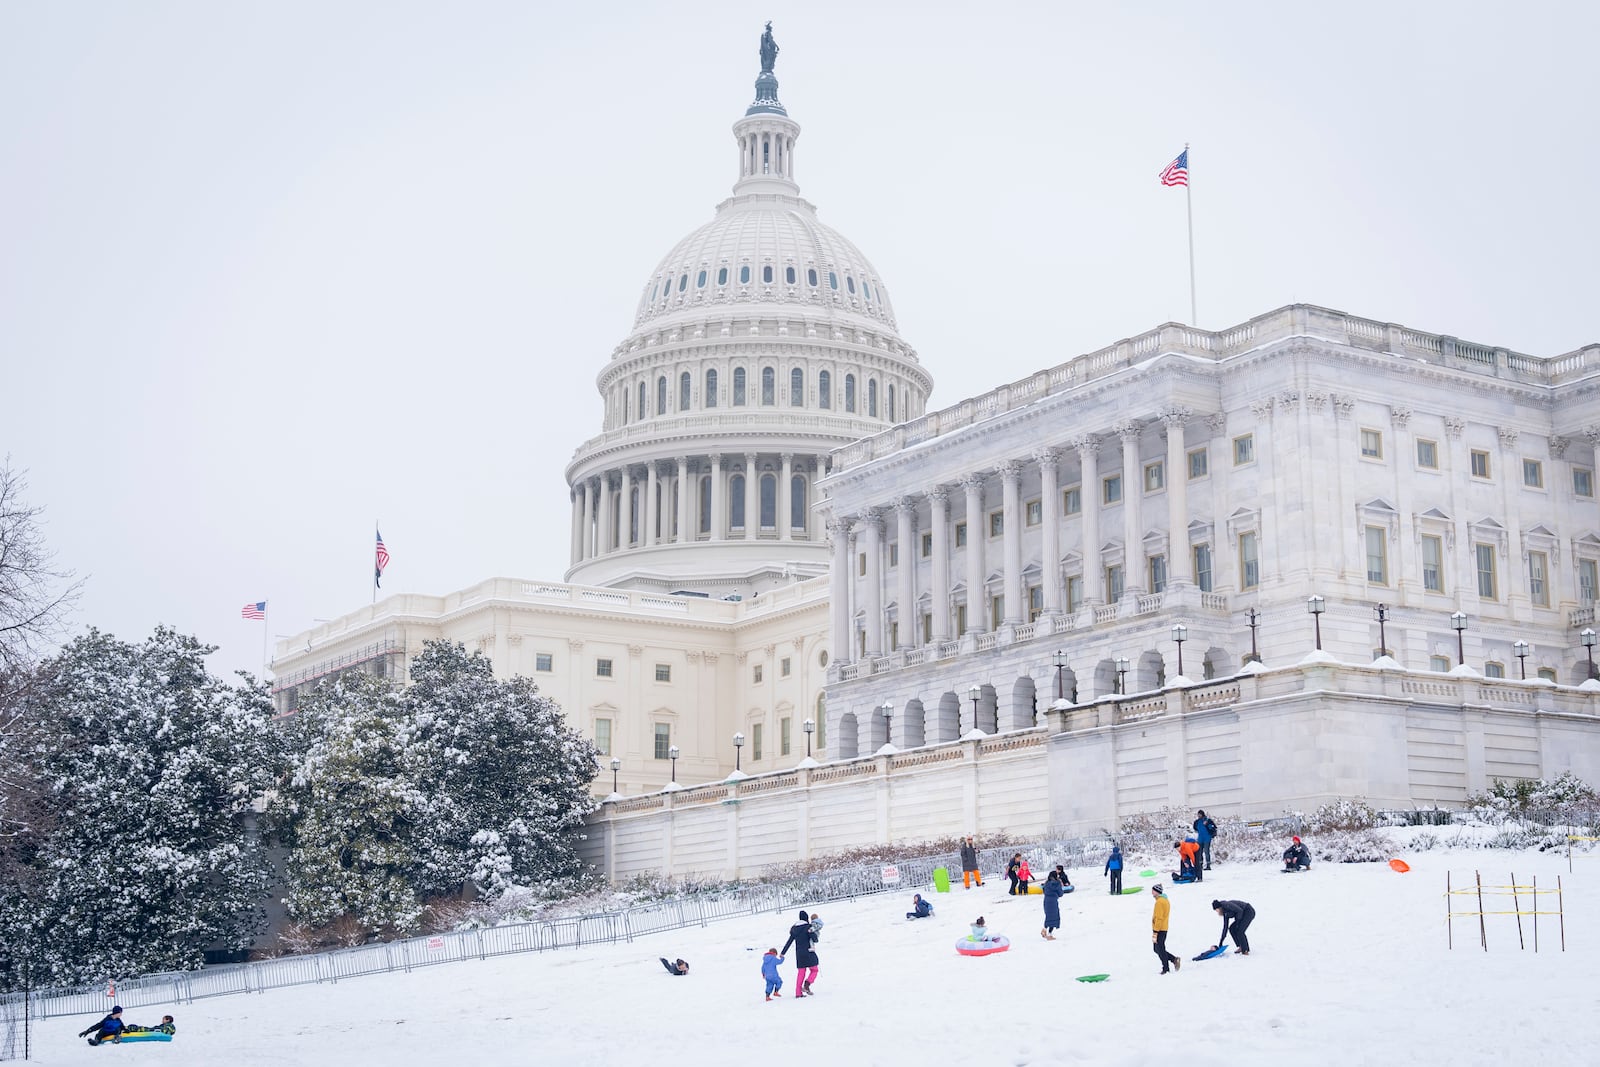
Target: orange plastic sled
{"points": [[1399, 866]]}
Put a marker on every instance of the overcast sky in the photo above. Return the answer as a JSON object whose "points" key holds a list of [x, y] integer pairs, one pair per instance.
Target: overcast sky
{"points": [[269, 272]]}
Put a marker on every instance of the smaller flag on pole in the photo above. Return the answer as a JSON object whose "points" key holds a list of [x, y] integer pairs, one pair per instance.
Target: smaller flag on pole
{"points": [[381, 560], [1177, 172], [257, 611]]}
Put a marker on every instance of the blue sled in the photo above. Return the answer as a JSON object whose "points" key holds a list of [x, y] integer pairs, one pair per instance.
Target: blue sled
{"points": [[1213, 954], [145, 1035]]}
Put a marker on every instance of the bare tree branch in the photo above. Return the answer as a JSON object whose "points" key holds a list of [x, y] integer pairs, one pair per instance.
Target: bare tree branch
{"points": [[34, 596]]}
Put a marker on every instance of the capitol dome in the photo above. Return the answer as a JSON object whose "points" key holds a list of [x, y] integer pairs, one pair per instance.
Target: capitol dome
{"points": [[761, 342]]}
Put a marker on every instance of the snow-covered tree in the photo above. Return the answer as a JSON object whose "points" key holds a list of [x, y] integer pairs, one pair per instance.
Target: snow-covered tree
{"points": [[152, 766]]}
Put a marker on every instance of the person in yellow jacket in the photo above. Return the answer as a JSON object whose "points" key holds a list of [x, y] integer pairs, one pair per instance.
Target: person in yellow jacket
{"points": [[1158, 927]]}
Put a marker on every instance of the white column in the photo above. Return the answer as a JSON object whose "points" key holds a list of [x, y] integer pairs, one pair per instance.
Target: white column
{"points": [[586, 541], [752, 498], [1094, 579], [939, 564], [905, 510], [785, 501], [839, 590], [1011, 535], [872, 527], [1180, 568], [977, 596], [603, 540], [685, 531], [1133, 576], [718, 493], [577, 526], [652, 488], [625, 509], [1050, 535]]}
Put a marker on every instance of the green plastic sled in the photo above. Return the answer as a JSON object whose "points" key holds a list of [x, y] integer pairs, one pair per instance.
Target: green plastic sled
{"points": [[1147, 874], [941, 880], [1093, 977], [1133, 889]]}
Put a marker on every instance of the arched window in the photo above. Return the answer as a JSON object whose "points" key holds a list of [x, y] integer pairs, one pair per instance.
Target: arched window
{"points": [[797, 502], [738, 387], [705, 505], [711, 388], [722, 276], [744, 274], [769, 386], [766, 274], [661, 395], [631, 522], [642, 407], [625, 417], [700, 280], [811, 277], [833, 280], [797, 388], [683, 282], [736, 502], [685, 387], [850, 284], [788, 275], [769, 501], [824, 388], [872, 398], [850, 393], [891, 402], [866, 289]]}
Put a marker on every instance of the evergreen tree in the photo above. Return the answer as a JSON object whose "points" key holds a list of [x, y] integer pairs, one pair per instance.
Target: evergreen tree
{"points": [[151, 766]]}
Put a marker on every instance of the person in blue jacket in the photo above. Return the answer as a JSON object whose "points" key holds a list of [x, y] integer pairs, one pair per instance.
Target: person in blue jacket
{"points": [[1114, 869], [1052, 907], [1204, 832], [769, 971], [920, 909], [108, 1029]]}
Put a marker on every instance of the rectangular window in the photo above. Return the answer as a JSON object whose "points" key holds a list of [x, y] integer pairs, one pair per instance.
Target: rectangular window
{"points": [[1202, 567], [783, 736], [755, 674], [1155, 476], [1582, 482], [1113, 584], [861, 564], [1033, 512], [1494, 670], [663, 672], [1433, 564], [602, 668], [1480, 463], [542, 661], [1547, 674], [1074, 593], [997, 611], [1533, 474], [1244, 450], [1199, 464], [997, 523], [961, 535], [961, 619], [1377, 556], [927, 629], [1249, 562], [1111, 489], [755, 741], [1371, 444], [1071, 501], [1158, 573], [786, 666], [1439, 663], [1428, 455], [602, 736], [663, 739], [894, 635], [1484, 555], [894, 554], [1035, 602], [927, 545], [1538, 586], [1588, 580]]}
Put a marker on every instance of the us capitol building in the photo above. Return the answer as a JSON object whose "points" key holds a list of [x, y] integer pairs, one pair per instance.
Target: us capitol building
{"points": [[1323, 517]]}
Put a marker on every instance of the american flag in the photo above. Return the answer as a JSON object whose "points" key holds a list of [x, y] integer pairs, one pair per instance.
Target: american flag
{"points": [[381, 561], [258, 610], [1177, 172]]}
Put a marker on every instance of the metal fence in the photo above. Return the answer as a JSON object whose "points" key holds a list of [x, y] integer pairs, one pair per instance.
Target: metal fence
{"points": [[677, 913]]}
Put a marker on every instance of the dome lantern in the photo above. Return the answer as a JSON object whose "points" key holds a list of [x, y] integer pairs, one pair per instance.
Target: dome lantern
{"points": [[766, 134]]}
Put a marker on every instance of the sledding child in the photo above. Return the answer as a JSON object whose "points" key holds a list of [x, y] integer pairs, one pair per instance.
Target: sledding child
{"points": [[769, 971], [1024, 876], [1061, 876], [1297, 857], [110, 1028], [166, 1026], [1114, 869], [980, 931], [920, 909]]}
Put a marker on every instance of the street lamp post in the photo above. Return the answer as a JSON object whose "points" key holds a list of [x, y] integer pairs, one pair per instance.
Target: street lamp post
{"points": [[1316, 606], [1060, 661], [1588, 646], [1458, 623], [1382, 612], [973, 694], [809, 726], [616, 765], [1521, 648], [738, 749], [1253, 620], [672, 754], [888, 721], [1122, 675], [1180, 634]]}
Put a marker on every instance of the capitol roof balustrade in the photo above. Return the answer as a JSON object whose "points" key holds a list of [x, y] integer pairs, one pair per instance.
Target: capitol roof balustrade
{"points": [[1297, 320]]}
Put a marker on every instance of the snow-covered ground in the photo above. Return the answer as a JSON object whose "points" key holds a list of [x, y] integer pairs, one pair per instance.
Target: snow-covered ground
{"points": [[1349, 966]]}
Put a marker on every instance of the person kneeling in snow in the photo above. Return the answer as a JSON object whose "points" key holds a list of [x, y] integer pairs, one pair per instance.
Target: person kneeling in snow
{"points": [[920, 909], [110, 1028], [1297, 857]]}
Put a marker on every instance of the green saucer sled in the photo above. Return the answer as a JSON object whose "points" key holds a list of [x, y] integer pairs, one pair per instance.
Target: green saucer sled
{"points": [[1133, 889], [1147, 874], [1093, 977]]}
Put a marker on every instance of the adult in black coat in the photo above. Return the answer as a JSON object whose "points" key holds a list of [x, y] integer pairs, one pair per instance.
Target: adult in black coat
{"points": [[805, 957], [1237, 915]]}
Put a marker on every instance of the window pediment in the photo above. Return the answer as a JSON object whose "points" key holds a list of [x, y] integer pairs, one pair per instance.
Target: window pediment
{"points": [[1242, 521], [1201, 533]]}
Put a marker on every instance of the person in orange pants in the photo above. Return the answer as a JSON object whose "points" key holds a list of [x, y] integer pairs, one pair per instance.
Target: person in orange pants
{"points": [[969, 864]]}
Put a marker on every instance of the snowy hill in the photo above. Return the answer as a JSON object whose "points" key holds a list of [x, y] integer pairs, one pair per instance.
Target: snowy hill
{"points": [[1349, 964]]}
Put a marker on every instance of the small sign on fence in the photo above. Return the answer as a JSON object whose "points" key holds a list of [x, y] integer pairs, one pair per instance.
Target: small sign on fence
{"points": [[435, 944], [891, 875]]}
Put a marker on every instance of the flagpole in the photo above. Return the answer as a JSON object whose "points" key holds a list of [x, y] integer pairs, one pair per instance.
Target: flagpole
{"points": [[1188, 203], [266, 628], [377, 525]]}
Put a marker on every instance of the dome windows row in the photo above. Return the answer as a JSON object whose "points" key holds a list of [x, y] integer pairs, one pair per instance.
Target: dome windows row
{"points": [[761, 390], [664, 287]]}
